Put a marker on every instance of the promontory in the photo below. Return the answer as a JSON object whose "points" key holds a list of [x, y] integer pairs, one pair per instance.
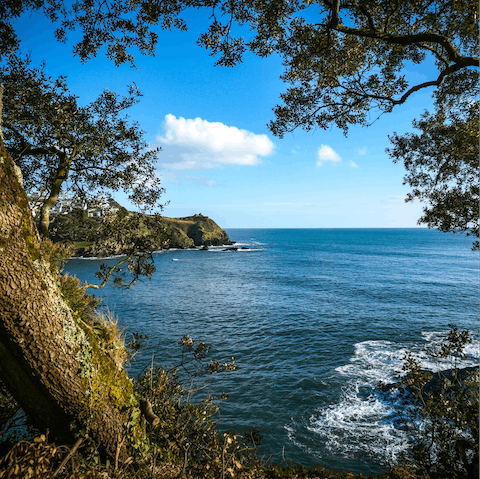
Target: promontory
{"points": [[81, 231]]}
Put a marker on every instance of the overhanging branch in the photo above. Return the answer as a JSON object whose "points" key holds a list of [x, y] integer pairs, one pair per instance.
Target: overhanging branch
{"points": [[108, 274], [415, 39]]}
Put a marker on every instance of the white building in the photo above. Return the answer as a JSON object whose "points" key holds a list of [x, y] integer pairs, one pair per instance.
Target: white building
{"points": [[66, 205]]}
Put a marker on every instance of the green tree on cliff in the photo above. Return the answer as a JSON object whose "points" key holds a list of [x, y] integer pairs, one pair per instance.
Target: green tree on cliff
{"points": [[59, 145]]}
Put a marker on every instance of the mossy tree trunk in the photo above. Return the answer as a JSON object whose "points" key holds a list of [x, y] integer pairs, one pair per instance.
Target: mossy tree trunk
{"points": [[51, 363]]}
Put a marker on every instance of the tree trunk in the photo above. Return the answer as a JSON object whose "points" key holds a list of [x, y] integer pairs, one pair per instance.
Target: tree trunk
{"points": [[1, 112], [51, 364], [55, 189]]}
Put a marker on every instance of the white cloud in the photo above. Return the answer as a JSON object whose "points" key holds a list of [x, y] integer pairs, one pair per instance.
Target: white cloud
{"points": [[199, 144], [327, 153], [362, 151], [352, 164]]}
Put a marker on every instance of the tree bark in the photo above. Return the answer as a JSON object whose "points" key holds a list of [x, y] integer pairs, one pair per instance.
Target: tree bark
{"points": [[51, 365], [55, 189]]}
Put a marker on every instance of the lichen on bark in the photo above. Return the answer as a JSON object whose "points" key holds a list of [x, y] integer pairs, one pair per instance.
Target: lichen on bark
{"points": [[50, 361]]}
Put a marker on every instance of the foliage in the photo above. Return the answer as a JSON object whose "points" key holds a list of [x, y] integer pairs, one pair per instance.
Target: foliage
{"points": [[110, 23], [136, 236], [56, 255], [442, 163], [78, 300], [186, 433], [407, 472], [130, 234], [41, 459], [29, 460], [193, 355], [60, 145], [343, 59], [443, 422]]}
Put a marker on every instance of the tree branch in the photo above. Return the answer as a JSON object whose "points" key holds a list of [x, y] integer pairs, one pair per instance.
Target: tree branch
{"points": [[335, 8], [369, 18], [108, 274], [416, 39], [29, 149], [413, 89]]}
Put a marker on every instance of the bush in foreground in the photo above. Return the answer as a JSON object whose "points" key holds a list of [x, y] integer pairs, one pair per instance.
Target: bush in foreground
{"points": [[168, 436]]}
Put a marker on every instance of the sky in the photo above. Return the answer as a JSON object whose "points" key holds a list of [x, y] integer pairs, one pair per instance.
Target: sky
{"points": [[218, 157]]}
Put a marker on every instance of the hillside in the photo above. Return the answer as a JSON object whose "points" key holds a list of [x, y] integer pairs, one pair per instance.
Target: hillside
{"points": [[197, 230], [82, 231]]}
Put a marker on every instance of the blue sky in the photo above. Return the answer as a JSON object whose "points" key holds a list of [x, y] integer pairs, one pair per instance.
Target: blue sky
{"points": [[219, 158]]}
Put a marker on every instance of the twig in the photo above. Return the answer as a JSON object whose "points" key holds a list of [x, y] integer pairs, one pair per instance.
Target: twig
{"points": [[223, 462], [181, 474], [154, 465], [283, 456], [69, 455], [117, 453]]}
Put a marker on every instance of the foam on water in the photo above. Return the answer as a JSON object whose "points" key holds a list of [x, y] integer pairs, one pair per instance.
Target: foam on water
{"points": [[359, 426], [297, 314], [364, 421], [99, 258]]}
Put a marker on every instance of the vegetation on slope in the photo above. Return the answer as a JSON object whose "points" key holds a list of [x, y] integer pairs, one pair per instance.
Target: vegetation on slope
{"points": [[201, 231], [89, 236]]}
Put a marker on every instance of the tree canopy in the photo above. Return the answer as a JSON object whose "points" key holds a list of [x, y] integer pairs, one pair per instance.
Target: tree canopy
{"points": [[346, 63], [343, 60], [94, 149], [442, 163]]}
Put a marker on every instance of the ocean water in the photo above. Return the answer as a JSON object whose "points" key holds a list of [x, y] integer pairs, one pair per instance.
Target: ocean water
{"points": [[315, 318]]}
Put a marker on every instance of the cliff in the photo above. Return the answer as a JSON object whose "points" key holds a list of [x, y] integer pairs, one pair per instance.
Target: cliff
{"points": [[189, 232], [197, 230]]}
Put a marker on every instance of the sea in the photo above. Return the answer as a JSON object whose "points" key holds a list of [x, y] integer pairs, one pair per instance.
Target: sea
{"points": [[315, 319]]}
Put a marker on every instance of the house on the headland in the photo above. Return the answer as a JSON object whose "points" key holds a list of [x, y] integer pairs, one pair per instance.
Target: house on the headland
{"points": [[65, 205], [95, 212]]}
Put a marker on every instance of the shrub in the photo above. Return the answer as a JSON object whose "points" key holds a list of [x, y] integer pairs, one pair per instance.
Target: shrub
{"points": [[56, 254], [77, 298], [443, 419], [186, 433]]}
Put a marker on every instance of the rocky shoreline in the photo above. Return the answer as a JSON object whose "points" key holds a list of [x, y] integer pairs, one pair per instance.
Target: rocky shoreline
{"points": [[437, 380]]}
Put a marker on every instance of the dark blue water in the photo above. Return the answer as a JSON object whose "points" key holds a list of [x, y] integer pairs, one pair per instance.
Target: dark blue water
{"points": [[315, 318]]}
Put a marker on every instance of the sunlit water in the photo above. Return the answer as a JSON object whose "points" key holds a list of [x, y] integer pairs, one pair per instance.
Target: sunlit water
{"points": [[315, 318]]}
